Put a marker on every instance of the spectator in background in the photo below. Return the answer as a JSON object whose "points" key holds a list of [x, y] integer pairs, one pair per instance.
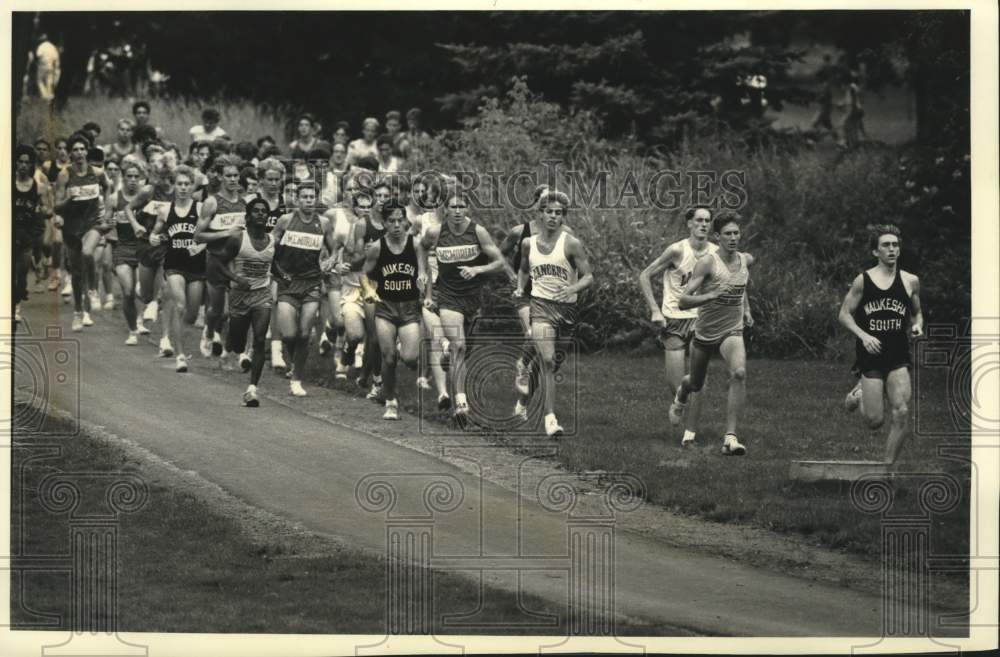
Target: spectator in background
{"points": [[393, 123], [854, 127], [365, 146], [342, 133], [269, 151], [319, 164], [199, 154], [141, 113], [406, 141], [209, 129], [47, 71], [332, 194], [248, 182], [387, 162], [123, 144], [142, 135], [264, 142], [307, 139], [92, 132], [247, 152]]}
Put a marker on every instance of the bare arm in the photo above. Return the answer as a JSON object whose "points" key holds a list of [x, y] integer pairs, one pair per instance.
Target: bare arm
{"points": [[916, 312], [229, 252], [202, 233], [421, 265], [872, 344], [701, 274], [371, 257], [496, 262], [664, 261], [62, 195], [523, 273], [277, 233], [578, 256]]}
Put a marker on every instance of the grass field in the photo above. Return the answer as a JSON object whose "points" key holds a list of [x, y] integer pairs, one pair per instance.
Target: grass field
{"points": [[615, 409], [180, 558]]}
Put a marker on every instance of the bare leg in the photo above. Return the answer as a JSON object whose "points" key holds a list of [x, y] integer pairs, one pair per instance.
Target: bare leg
{"points": [[734, 353], [899, 392]]}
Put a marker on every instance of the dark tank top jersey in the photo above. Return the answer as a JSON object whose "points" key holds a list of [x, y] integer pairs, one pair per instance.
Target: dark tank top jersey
{"points": [[84, 192], [126, 234], [884, 314], [227, 214], [454, 251], [27, 223], [299, 251], [183, 254], [396, 274], [372, 233]]}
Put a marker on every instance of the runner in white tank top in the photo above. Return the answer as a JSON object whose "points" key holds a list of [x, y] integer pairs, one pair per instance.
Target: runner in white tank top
{"points": [[676, 326], [333, 323], [719, 283], [558, 268]]}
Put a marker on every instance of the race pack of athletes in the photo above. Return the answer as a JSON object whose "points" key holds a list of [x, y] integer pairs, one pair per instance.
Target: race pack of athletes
{"points": [[289, 254]]}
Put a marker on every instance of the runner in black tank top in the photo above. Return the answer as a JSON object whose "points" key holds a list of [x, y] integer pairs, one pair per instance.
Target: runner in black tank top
{"points": [[300, 237], [396, 267], [27, 220], [184, 262], [125, 257], [882, 310]]}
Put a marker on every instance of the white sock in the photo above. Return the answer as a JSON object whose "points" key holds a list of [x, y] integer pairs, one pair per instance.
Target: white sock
{"points": [[688, 435], [551, 416], [460, 398], [251, 388]]}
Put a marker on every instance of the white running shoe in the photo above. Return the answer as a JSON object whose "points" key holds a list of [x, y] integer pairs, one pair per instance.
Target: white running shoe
{"points": [[140, 327], [277, 360], [522, 382], [132, 339], [520, 411], [391, 410], [676, 412], [182, 363], [149, 314], [95, 300], [199, 321], [552, 428], [423, 383], [205, 346], [461, 414], [359, 356], [687, 441], [166, 349], [297, 389], [77, 322], [853, 399], [109, 302], [325, 346], [375, 394], [245, 362], [732, 447], [68, 287], [250, 397], [87, 321]]}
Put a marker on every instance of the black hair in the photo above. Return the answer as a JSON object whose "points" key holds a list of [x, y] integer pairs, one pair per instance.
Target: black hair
{"points": [[689, 214], [246, 150], [878, 230], [24, 149], [210, 114], [723, 218], [140, 104], [260, 142], [367, 162], [384, 140], [90, 125]]}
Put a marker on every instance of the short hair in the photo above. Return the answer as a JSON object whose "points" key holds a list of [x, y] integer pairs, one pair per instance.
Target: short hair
{"points": [[137, 105], [247, 173], [320, 153], [878, 230], [77, 138], [256, 201], [144, 133], [42, 141], [367, 162], [129, 162], [24, 149], [553, 196], [307, 184], [393, 206], [270, 164], [91, 125], [540, 191], [342, 125], [224, 161], [265, 138], [271, 151], [201, 143], [151, 144], [723, 218], [61, 140], [222, 145], [383, 140], [126, 122], [210, 114], [186, 171], [246, 150], [371, 120], [414, 113], [393, 115], [689, 214], [308, 117]]}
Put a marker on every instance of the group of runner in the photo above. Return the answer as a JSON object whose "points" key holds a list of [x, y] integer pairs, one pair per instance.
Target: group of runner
{"points": [[338, 239]]}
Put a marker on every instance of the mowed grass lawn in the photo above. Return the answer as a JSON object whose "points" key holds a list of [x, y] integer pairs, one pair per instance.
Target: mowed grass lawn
{"points": [[614, 409], [185, 567]]}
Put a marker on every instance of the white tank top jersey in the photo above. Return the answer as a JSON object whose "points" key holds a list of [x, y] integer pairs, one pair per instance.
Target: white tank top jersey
{"points": [[550, 273], [254, 265], [674, 280]]}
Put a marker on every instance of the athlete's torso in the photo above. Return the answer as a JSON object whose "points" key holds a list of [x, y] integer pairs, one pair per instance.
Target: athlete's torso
{"points": [[676, 278], [396, 274]]}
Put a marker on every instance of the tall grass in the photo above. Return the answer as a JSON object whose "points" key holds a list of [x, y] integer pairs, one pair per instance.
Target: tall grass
{"points": [[806, 210]]}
